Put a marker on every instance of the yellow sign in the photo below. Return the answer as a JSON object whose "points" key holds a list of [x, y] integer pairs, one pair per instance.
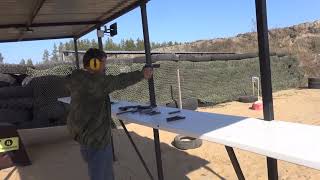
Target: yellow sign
{"points": [[9, 144]]}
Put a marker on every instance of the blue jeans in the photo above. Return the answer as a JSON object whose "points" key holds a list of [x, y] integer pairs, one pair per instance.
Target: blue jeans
{"points": [[99, 162]]}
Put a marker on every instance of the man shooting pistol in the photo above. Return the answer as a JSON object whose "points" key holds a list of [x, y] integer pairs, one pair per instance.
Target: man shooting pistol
{"points": [[89, 119]]}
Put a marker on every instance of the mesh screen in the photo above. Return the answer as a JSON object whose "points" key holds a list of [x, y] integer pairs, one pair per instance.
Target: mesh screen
{"points": [[210, 82]]}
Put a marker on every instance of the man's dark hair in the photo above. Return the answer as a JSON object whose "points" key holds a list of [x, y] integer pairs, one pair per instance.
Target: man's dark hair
{"points": [[93, 53]]}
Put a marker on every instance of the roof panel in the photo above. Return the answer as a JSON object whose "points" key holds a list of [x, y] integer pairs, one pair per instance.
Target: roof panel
{"points": [[65, 18], [78, 6], [10, 7], [16, 14], [38, 32], [15, 11], [10, 33]]}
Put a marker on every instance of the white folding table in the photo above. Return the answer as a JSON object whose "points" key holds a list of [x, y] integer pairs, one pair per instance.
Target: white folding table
{"points": [[291, 142]]}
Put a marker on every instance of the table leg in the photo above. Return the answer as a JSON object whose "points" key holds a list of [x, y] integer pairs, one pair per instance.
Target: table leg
{"points": [[113, 154], [158, 153], [235, 163], [136, 149]]}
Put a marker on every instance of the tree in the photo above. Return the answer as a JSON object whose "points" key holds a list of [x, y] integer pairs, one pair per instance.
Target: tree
{"points": [[110, 45], [54, 55], [164, 44], [129, 45], [140, 45], [1, 59], [29, 62], [81, 45], [87, 44], [122, 45], [68, 45], [155, 45], [93, 44], [45, 57], [22, 62]]}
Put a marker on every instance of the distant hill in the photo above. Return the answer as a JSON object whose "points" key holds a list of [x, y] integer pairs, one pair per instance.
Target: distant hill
{"points": [[301, 41]]}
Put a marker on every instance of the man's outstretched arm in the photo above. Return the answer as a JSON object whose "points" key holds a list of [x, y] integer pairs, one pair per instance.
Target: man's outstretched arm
{"points": [[122, 80]]}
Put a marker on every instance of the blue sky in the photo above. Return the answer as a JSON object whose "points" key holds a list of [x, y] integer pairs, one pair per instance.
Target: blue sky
{"points": [[185, 21]]}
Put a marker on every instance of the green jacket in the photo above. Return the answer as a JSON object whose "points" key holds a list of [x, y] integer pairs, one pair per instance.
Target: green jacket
{"points": [[89, 119]]}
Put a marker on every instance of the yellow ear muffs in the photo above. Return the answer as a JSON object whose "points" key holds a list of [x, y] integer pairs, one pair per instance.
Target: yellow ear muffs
{"points": [[95, 64]]}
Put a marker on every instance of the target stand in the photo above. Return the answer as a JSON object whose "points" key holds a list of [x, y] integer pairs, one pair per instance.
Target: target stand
{"points": [[258, 105]]}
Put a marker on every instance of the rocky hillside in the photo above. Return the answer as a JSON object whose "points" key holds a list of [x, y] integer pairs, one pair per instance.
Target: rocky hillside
{"points": [[301, 41]]}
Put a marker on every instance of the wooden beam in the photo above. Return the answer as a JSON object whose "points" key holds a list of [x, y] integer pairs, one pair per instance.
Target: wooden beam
{"points": [[33, 15], [35, 11], [5, 26], [35, 39]]}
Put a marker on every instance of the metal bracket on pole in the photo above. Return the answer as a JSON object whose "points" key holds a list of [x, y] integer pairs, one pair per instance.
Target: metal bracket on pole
{"points": [[112, 31]]}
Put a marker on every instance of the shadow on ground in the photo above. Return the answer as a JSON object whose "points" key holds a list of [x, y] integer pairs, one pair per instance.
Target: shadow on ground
{"points": [[61, 160], [176, 164]]}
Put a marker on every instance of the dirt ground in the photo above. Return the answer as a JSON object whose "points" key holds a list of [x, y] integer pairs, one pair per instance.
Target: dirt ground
{"points": [[59, 157]]}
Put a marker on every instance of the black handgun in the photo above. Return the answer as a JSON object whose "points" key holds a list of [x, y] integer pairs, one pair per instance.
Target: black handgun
{"points": [[175, 118], [125, 108]]}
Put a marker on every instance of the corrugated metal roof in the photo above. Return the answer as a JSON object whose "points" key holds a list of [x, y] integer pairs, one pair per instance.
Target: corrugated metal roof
{"points": [[49, 19]]}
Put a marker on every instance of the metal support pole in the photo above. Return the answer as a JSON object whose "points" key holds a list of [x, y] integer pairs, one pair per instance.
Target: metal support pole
{"points": [[100, 40], [179, 88], [265, 71], [147, 48], [75, 43], [136, 149], [151, 87], [235, 163], [101, 48], [63, 58]]}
